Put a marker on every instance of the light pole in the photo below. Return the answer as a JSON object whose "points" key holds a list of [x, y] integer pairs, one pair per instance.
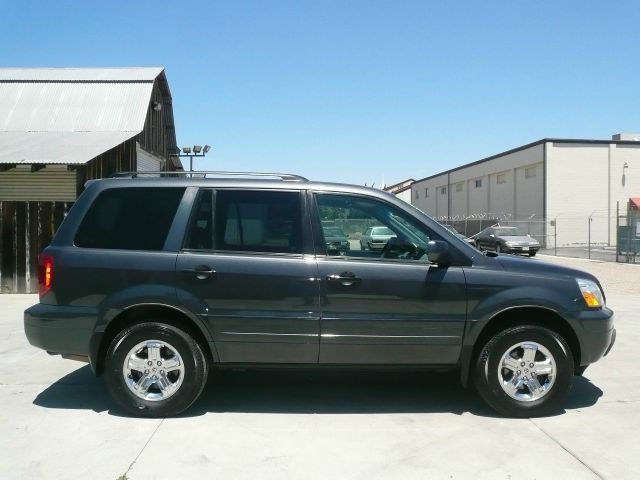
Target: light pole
{"points": [[198, 151], [589, 240]]}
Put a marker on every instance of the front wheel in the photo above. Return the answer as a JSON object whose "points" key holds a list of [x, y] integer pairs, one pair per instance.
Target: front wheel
{"points": [[532, 254], [155, 369], [524, 371]]}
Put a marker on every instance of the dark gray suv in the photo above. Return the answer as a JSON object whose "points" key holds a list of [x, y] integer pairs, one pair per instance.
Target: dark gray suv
{"points": [[158, 280]]}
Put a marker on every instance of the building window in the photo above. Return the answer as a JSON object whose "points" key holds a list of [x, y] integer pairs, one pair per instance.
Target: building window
{"points": [[443, 190], [478, 183], [501, 178], [426, 192], [530, 172], [459, 187]]}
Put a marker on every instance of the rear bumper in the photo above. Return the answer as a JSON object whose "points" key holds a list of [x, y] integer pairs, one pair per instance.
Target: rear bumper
{"points": [[57, 329]]}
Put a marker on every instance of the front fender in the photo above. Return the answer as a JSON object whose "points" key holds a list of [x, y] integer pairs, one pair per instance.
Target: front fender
{"points": [[491, 293], [482, 311]]}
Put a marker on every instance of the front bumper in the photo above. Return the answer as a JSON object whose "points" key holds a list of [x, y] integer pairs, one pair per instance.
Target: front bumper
{"points": [[521, 249], [596, 335], [60, 329]]}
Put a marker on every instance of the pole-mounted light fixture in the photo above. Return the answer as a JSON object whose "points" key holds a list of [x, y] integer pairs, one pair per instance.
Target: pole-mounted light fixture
{"points": [[198, 151]]}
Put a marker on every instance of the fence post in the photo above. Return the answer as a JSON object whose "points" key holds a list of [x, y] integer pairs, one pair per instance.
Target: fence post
{"points": [[589, 237], [555, 235]]}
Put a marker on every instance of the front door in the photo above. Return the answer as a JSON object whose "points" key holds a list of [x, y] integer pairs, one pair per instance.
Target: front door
{"points": [[244, 270], [389, 306]]}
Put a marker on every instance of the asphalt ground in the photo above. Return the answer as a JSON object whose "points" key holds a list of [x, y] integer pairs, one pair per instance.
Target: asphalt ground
{"points": [[58, 422]]}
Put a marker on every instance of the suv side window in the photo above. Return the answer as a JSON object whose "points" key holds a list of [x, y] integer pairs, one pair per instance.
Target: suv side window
{"points": [[248, 221], [201, 230], [135, 218], [395, 236]]}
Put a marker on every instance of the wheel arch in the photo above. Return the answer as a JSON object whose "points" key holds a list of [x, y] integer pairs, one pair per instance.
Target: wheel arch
{"points": [[145, 312], [514, 316]]}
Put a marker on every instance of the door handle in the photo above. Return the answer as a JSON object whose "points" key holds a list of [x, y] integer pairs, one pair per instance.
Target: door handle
{"points": [[347, 279], [201, 272]]}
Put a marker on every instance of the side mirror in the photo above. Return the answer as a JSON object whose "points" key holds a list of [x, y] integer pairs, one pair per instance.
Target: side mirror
{"points": [[438, 252], [492, 235]]}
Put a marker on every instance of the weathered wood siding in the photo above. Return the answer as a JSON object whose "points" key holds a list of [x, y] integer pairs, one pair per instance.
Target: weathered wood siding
{"points": [[26, 228]]}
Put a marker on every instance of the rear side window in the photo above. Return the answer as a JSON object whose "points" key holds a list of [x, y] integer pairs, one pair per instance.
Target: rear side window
{"points": [[254, 221], [129, 219]]}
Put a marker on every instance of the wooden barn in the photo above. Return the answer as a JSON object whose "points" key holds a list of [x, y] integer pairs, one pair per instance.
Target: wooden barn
{"points": [[60, 127]]}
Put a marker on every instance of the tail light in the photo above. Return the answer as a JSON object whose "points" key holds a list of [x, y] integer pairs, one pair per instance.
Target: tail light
{"points": [[46, 274]]}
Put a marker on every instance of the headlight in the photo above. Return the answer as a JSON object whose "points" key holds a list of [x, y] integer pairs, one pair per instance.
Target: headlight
{"points": [[591, 293]]}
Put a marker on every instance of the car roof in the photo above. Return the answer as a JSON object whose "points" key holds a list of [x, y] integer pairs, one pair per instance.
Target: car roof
{"points": [[141, 181], [243, 183]]}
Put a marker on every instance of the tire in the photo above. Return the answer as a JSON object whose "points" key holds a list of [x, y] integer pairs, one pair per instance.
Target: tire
{"points": [[498, 248], [532, 254], [523, 402], [167, 347]]}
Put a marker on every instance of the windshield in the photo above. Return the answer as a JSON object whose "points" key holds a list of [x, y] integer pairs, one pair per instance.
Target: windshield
{"points": [[333, 232], [510, 232]]}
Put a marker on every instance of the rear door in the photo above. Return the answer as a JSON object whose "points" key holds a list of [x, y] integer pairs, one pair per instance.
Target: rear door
{"points": [[247, 269], [388, 307]]}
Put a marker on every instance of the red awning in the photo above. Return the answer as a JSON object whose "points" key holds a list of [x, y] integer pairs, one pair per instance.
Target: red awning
{"points": [[634, 203]]}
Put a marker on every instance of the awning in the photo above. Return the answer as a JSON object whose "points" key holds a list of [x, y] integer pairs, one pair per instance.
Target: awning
{"points": [[634, 203], [70, 148]]}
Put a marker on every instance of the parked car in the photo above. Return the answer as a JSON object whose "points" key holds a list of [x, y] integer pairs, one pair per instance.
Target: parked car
{"points": [[507, 240], [375, 238], [336, 240], [157, 281], [453, 230]]}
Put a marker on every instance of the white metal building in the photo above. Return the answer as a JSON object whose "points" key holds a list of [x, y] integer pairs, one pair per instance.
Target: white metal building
{"points": [[402, 190], [552, 183]]}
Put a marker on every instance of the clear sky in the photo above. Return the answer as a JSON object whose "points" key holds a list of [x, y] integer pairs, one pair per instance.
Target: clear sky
{"points": [[356, 91]]}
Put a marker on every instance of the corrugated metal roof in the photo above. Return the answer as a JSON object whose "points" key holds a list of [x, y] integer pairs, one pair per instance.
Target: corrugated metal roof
{"points": [[73, 148], [130, 74], [71, 115], [69, 107]]}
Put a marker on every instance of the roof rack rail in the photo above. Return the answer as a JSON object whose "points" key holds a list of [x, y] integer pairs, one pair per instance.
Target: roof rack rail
{"points": [[287, 177]]}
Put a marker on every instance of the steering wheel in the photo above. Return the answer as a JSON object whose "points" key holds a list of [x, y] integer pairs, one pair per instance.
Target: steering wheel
{"points": [[401, 249]]}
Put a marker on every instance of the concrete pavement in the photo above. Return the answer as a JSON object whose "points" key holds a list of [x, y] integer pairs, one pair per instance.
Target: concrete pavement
{"points": [[58, 421]]}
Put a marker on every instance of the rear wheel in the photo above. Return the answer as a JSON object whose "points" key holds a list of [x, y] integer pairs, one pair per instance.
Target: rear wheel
{"points": [[524, 371], [155, 370], [532, 254]]}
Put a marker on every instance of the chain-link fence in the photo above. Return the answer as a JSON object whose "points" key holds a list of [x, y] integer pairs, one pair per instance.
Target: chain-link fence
{"points": [[614, 238]]}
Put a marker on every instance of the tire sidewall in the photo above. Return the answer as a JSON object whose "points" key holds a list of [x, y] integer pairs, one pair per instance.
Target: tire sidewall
{"points": [[195, 369], [487, 381]]}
